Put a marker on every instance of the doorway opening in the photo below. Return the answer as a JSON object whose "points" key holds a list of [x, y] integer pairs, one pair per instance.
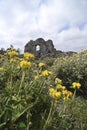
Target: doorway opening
{"points": [[37, 48]]}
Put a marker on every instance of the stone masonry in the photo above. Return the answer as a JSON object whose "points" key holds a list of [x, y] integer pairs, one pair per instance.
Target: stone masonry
{"points": [[41, 48]]}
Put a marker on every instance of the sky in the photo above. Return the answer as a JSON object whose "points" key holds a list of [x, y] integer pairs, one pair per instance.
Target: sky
{"points": [[62, 21]]}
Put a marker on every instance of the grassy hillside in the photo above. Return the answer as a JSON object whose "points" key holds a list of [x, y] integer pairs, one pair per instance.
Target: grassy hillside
{"points": [[43, 95]]}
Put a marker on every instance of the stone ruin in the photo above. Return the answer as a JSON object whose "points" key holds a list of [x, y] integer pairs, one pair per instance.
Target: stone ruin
{"points": [[41, 48]]}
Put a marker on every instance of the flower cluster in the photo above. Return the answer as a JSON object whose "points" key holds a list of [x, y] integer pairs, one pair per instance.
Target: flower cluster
{"points": [[28, 56], [41, 64], [60, 91], [60, 87], [25, 64], [54, 93], [58, 81], [76, 85], [46, 73], [12, 53], [67, 94]]}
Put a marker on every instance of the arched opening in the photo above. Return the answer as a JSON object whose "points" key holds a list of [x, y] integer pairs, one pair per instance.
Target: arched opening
{"points": [[37, 48]]}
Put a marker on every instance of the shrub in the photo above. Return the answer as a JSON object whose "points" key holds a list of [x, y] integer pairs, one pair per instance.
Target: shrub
{"points": [[71, 115], [72, 68], [49, 61]]}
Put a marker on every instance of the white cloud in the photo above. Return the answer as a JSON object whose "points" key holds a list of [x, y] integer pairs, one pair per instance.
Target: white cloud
{"points": [[72, 39], [63, 21]]}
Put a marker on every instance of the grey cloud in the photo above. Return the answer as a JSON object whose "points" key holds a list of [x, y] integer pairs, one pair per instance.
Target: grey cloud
{"points": [[22, 20]]}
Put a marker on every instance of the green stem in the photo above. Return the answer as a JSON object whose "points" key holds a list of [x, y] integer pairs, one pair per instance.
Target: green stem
{"points": [[49, 118], [22, 80], [74, 95], [11, 78], [28, 120]]}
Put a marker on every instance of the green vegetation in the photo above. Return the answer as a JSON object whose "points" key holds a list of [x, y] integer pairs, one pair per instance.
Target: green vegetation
{"points": [[43, 95], [72, 68]]}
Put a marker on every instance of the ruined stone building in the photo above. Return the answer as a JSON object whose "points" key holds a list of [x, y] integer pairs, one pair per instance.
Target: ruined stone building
{"points": [[41, 48]]}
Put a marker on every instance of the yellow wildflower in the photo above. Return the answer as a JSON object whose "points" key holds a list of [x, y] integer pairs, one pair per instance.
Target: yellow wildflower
{"points": [[12, 61], [59, 86], [12, 53], [28, 56], [46, 73], [63, 87], [1, 69], [67, 94], [76, 85], [25, 65], [41, 64], [58, 81], [56, 95], [51, 90]]}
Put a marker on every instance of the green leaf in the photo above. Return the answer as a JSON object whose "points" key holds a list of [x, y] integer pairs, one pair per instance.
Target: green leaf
{"points": [[15, 117], [2, 124], [21, 126]]}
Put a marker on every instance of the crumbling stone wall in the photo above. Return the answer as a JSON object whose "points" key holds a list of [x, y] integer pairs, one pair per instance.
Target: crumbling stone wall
{"points": [[46, 48]]}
